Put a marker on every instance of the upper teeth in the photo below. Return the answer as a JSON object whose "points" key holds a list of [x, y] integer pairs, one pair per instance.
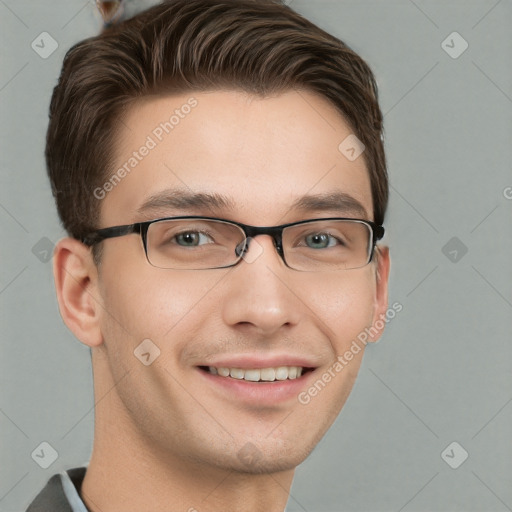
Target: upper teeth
{"points": [[257, 374]]}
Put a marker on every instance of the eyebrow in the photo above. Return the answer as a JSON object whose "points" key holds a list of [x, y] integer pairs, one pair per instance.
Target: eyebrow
{"points": [[337, 201], [183, 199]]}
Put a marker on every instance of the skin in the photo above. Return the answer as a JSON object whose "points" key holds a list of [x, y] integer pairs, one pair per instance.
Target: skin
{"points": [[164, 439]]}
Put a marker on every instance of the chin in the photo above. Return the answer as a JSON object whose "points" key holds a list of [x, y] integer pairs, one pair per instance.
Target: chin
{"points": [[268, 456], [264, 464]]}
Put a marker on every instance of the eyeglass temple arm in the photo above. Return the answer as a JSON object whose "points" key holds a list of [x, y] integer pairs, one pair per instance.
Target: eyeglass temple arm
{"points": [[102, 234], [379, 231]]}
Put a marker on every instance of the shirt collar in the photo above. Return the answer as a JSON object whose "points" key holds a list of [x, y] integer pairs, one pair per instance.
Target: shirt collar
{"points": [[76, 503]]}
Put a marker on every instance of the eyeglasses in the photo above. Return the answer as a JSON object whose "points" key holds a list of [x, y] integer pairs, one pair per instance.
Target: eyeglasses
{"points": [[200, 243]]}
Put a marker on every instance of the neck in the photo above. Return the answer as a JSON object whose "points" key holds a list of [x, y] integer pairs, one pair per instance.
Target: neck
{"points": [[127, 472]]}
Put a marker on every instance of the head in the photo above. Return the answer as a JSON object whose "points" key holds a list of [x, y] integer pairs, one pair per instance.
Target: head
{"points": [[229, 109]]}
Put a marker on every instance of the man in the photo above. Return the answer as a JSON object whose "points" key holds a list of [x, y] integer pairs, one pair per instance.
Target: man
{"points": [[219, 167]]}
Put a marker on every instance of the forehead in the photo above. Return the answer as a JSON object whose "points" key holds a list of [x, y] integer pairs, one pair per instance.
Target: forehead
{"points": [[259, 155]]}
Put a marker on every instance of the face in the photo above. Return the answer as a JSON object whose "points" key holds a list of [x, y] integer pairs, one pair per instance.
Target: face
{"points": [[260, 155]]}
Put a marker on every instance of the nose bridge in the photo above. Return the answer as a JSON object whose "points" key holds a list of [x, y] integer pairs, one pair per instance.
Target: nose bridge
{"points": [[256, 294], [275, 232]]}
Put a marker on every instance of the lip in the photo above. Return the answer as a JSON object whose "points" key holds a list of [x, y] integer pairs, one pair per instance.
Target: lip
{"points": [[259, 394], [247, 362]]}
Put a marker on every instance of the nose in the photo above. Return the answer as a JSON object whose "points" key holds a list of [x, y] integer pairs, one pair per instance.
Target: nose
{"points": [[243, 247], [258, 294]]}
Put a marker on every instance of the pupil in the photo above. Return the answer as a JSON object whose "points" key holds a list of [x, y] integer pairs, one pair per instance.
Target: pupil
{"points": [[319, 239], [189, 238]]}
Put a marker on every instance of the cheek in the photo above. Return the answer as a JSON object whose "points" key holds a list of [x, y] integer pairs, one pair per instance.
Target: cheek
{"points": [[344, 305], [150, 304]]}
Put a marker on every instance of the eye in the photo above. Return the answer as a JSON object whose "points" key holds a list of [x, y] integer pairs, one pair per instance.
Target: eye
{"points": [[321, 240], [192, 238]]}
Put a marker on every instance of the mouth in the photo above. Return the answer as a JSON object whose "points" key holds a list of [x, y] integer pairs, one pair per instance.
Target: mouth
{"points": [[270, 374], [256, 382]]}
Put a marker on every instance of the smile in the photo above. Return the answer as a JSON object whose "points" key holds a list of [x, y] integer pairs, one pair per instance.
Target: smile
{"points": [[270, 374], [253, 381]]}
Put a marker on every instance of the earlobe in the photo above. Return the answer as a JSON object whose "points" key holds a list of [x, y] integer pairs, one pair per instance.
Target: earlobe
{"points": [[381, 293], [76, 277]]}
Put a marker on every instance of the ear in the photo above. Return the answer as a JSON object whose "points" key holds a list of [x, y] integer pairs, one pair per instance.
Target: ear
{"points": [[76, 279], [382, 263]]}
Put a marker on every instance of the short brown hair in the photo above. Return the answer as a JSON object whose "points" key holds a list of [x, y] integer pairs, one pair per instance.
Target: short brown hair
{"points": [[259, 46]]}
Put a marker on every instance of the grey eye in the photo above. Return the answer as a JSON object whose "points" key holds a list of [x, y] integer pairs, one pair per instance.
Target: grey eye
{"points": [[320, 240], [192, 238]]}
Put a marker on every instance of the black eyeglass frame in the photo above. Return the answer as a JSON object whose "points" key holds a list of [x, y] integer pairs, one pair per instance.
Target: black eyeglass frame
{"points": [[276, 232]]}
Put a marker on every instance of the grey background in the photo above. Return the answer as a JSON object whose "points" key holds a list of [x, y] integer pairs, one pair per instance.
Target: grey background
{"points": [[441, 373]]}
